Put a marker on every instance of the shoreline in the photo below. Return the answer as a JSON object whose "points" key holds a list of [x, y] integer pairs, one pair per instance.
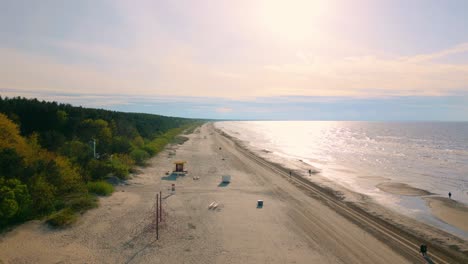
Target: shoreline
{"points": [[298, 223], [393, 180], [449, 211], [412, 228], [402, 189]]}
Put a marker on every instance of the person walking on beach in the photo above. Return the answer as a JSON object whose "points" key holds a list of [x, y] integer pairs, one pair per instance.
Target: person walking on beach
{"points": [[310, 172], [450, 195], [423, 250]]}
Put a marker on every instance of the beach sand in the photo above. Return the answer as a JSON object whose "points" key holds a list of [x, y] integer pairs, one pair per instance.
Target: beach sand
{"points": [[449, 211], [294, 225], [401, 189]]}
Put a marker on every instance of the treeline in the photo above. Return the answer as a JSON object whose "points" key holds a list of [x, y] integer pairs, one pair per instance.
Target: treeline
{"points": [[53, 157]]}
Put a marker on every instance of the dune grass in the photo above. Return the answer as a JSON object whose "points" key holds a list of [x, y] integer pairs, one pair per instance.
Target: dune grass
{"points": [[62, 218], [82, 203], [101, 188]]}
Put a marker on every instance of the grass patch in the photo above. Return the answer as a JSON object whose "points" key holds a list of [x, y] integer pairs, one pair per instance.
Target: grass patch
{"points": [[100, 188], [139, 156], [191, 128], [62, 218], [82, 203], [74, 204], [180, 140]]}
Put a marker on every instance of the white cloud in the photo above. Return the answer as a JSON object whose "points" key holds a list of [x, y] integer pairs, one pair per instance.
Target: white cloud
{"points": [[463, 47], [201, 61], [179, 74], [416, 75]]}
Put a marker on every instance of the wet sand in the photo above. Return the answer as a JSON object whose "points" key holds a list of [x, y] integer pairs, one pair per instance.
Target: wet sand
{"points": [[401, 189], [294, 225], [449, 211]]}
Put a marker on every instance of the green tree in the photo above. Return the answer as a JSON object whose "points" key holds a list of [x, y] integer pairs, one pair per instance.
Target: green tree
{"points": [[98, 170], [69, 179], [121, 165], [121, 145], [139, 156], [10, 136], [52, 139], [43, 195], [99, 130], [11, 164], [77, 151], [46, 157], [62, 117], [15, 201]]}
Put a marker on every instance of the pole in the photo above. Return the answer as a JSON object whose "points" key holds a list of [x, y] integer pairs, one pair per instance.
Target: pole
{"points": [[157, 216], [160, 206], [94, 147]]}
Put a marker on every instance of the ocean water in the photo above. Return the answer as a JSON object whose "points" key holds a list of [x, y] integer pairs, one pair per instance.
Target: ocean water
{"points": [[432, 156]]}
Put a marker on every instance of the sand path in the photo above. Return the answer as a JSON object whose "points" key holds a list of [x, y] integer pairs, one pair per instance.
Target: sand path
{"points": [[292, 227]]}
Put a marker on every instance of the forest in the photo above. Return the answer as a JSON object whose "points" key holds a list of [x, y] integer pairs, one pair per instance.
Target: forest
{"points": [[55, 158]]}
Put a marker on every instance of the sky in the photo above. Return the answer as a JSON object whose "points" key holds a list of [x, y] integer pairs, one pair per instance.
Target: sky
{"points": [[243, 59]]}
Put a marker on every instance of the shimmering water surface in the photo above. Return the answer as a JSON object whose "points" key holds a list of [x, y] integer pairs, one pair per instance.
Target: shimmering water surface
{"points": [[359, 155]]}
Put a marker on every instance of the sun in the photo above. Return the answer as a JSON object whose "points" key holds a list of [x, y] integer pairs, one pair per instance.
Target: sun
{"points": [[291, 19]]}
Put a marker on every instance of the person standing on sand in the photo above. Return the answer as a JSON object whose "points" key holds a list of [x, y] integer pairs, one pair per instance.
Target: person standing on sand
{"points": [[310, 172], [423, 250], [450, 195]]}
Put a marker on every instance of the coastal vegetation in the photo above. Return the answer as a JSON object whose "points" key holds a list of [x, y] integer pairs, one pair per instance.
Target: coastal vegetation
{"points": [[55, 158], [100, 188]]}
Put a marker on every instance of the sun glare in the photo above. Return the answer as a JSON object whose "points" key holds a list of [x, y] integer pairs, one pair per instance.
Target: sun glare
{"points": [[292, 19]]}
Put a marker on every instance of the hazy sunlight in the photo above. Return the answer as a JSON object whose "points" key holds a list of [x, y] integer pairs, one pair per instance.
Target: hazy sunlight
{"points": [[293, 20]]}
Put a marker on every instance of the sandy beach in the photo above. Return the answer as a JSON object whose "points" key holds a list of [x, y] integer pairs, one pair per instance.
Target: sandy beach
{"points": [[299, 222], [401, 189], [449, 211]]}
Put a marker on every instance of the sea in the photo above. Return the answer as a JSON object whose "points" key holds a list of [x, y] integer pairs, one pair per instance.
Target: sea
{"points": [[431, 156]]}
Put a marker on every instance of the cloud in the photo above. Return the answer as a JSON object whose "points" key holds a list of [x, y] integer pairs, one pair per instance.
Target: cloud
{"points": [[373, 76], [168, 49], [181, 75], [463, 47]]}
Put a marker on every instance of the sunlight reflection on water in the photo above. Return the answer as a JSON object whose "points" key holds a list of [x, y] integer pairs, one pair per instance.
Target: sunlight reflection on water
{"points": [[432, 156]]}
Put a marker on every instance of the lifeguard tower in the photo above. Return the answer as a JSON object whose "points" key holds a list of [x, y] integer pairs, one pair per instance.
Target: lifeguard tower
{"points": [[179, 167]]}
